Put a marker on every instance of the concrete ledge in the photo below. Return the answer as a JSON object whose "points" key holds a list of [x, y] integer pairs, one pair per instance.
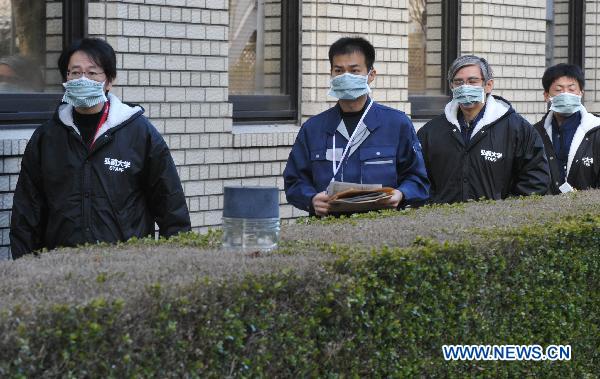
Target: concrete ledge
{"points": [[264, 135]]}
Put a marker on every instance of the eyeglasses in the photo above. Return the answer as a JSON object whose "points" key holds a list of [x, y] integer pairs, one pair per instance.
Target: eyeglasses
{"points": [[78, 74], [472, 81]]}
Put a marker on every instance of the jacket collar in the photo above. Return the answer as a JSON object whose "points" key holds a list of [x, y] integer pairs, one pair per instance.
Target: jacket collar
{"points": [[588, 122], [495, 108], [118, 113], [372, 120]]}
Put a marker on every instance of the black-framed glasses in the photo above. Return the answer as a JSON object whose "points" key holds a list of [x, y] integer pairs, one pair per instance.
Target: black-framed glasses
{"points": [[472, 81], [76, 74]]}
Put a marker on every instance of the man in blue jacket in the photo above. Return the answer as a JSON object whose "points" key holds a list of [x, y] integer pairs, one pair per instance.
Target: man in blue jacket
{"points": [[357, 141]]}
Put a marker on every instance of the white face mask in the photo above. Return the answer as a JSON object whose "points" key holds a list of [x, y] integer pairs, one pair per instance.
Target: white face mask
{"points": [[84, 92], [565, 103], [349, 86], [468, 95]]}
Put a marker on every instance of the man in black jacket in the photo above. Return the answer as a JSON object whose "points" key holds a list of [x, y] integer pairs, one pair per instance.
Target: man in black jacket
{"points": [[571, 135], [98, 171], [480, 147]]}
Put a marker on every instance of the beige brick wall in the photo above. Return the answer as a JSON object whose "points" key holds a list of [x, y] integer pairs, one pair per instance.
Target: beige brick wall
{"points": [[592, 57], [172, 59], [561, 31], [592, 47], [511, 36], [53, 44], [10, 165], [262, 159], [383, 22]]}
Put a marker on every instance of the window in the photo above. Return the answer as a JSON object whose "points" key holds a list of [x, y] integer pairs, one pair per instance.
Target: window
{"points": [[432, 46], [263, 59], [32, 35], [21, 46]]}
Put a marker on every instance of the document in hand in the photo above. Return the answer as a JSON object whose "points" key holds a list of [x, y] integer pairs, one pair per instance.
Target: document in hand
{"points": [[355, 197]]}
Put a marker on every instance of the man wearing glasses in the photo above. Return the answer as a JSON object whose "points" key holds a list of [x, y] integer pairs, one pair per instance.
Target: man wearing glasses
{"points": [[98, 171], [480, 147]]}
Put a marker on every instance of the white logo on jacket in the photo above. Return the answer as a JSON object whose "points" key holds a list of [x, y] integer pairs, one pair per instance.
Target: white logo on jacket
{"points": [[587, 161], [116, 164], [491, 156]]}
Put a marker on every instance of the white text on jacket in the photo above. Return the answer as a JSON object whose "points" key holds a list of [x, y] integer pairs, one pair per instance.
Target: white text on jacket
{"points": [[116, 164]]}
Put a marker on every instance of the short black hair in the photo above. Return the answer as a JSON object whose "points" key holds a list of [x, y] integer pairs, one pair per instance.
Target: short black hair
{"points": [[349, 45], [562, 69], [99, 51]]}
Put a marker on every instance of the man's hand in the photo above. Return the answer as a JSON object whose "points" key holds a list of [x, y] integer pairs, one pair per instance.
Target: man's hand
{"points": [[320, 204], [395, 200]]}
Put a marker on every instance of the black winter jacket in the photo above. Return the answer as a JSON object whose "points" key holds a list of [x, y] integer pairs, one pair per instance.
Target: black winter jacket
{"points": [[583, 166], [504, 157], [67, 195]]}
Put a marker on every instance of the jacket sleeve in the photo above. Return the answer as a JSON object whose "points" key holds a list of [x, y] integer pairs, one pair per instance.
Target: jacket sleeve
{"points": [[29, 210], [423, 138], [164, 192], [297, 175], [597, 159], [412, 174], [531, 171]]}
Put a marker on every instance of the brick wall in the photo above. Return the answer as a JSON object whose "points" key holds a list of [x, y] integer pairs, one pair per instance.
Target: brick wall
{"points": [[511, 36], [561, 31], [173, 60], [592, 57], [383, 22], [10, 164], [592, 47], [53, 44]]}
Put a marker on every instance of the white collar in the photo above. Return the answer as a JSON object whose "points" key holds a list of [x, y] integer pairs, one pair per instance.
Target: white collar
{"points": [[117, 114], [494, 109]]}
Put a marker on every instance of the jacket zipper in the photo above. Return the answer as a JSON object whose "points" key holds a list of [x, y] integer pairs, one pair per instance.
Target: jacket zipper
{"points": [[86, 183], [86, 202], [85, 180]]}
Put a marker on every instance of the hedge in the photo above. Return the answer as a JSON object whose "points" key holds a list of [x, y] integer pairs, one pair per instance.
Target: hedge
{"points": [[319, 307]]}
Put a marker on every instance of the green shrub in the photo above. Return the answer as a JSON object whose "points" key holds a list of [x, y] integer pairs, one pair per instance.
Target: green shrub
{"points": [[320, 309]]}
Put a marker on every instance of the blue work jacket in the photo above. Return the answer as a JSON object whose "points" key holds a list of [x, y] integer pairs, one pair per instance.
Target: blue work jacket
{"points": [[384, 151]]}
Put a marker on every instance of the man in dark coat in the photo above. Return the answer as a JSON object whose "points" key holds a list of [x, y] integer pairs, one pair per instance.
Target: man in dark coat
{"points": [[480, 147], [570, 133], [98, 171]]}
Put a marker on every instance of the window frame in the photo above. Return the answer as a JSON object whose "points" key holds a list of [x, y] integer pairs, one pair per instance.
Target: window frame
{"points": [[252, 109], [576, 48], [27, 110], [426, 107]]}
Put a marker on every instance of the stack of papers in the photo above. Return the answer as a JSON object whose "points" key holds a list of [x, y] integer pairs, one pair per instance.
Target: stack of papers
{"points": [[354, 197]]}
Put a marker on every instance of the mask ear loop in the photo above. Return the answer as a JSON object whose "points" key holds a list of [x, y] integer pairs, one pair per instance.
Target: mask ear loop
{"points": [[367, 80]]}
